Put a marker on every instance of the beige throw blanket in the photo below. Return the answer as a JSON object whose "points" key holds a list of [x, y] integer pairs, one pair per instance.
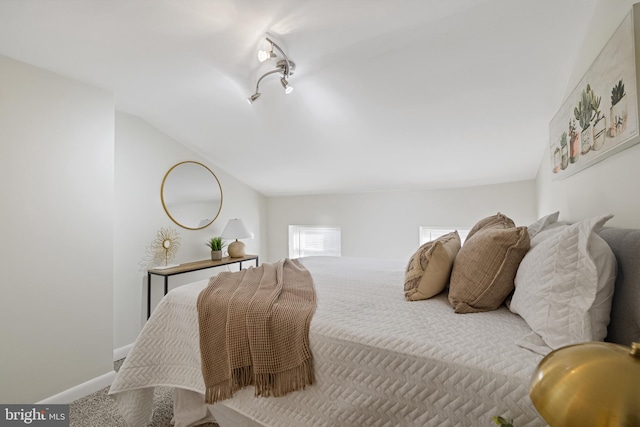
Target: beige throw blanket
{"points": [[254, 329]]}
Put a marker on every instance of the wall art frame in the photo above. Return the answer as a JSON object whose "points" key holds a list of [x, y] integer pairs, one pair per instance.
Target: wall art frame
{"points": [[600, 116]]}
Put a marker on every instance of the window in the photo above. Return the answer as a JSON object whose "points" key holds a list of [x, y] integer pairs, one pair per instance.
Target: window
{"points": [[428, 234], [314, 240]]}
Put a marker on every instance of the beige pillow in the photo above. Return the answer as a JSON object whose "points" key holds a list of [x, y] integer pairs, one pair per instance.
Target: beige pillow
{"points": [[485, 268], [429, 268], [495, 221]]}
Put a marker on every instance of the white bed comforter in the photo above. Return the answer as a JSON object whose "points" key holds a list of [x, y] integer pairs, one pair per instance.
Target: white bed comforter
{"points": [[379, 360]]}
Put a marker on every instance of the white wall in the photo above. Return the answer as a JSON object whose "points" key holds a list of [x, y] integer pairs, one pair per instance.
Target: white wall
{"points": [[610, 186], [56, 186], [386, 224], [144, 154]]}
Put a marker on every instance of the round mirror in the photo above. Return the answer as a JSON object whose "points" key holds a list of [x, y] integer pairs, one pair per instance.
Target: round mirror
{"points": [[191, 195]]}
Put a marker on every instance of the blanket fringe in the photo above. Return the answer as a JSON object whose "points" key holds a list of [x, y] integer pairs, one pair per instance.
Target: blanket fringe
{"points": [[241, 377], [218, 392], [280, 383], [266, 384]]}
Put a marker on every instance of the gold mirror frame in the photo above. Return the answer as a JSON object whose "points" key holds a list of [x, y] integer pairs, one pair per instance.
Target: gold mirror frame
{"points": [[191, 188]]}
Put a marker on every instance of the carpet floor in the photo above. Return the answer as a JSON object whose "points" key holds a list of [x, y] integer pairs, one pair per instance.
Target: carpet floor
{"points": [[99, 410]]}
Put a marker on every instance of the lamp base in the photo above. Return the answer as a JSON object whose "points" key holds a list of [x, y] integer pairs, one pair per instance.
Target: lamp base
{"points": [[236, 249]]}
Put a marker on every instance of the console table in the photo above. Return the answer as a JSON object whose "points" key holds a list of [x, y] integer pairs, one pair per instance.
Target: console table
{"points": [[188, 268]]}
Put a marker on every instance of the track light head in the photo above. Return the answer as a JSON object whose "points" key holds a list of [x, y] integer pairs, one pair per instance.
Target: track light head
{"points": [[253, 97], [263, 55], [287, 87]]}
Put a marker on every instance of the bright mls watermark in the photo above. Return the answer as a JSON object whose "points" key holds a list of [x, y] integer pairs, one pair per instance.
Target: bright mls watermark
{"points": [[34, 415]]}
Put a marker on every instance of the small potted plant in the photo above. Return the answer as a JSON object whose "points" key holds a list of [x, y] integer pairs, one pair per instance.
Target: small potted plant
{"points": [[599, 124], [557, 157], [564, 149], [216, 245], [584, 114], [574, 147], [618, 114]]}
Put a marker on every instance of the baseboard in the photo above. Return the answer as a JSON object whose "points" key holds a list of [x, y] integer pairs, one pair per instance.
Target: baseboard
{"points": [[122, 352], [81, 390], [91, 386]]}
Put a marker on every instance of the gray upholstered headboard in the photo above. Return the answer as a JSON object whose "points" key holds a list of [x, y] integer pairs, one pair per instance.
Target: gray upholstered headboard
{"points": [[624, 327]]}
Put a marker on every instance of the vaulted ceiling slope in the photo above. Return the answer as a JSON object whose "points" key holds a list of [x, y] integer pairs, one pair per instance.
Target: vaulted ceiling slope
{"points": [[388, 94]]}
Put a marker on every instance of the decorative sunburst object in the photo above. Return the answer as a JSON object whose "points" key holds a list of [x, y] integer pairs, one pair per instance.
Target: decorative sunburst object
{"points": [[162, 250]]}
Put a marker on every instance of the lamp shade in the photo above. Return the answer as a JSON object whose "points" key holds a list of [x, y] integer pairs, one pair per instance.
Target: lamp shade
{"points": [[235, 229], [589, 384]]}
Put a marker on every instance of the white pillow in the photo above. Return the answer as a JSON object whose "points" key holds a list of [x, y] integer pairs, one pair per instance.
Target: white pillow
{"points": [[543, 222], [564, 285]]}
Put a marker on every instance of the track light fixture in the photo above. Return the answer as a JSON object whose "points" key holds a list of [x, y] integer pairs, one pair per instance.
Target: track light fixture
{"points": [[285, 67]]}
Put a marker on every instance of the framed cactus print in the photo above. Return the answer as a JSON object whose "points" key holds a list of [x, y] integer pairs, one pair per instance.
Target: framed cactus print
{"points": [[600, 116]]}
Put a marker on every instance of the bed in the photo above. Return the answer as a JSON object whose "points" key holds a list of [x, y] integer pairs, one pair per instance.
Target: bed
{"points": [[379, 360]]}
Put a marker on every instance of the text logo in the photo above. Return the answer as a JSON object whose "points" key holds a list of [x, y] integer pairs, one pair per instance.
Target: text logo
{"points": [[34, 415]]}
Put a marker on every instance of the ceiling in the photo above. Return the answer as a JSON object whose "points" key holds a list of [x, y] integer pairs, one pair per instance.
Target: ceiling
{"points": [[388, 94]]}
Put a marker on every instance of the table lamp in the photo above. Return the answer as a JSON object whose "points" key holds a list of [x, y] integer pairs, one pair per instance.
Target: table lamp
{"points": [[589, 384], [236, 229]]}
